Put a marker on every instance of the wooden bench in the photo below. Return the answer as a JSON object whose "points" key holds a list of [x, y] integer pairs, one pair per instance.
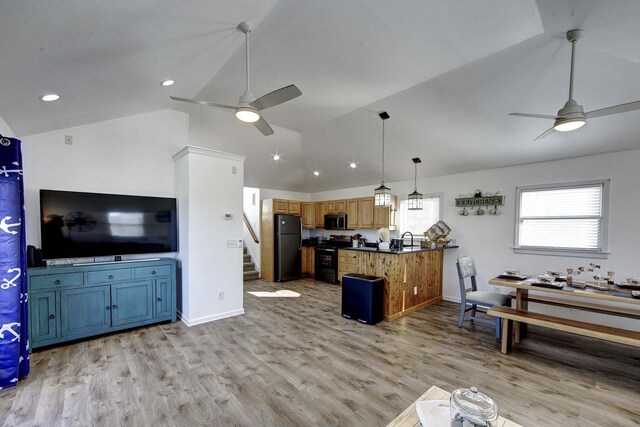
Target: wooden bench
{"points": [[509, 315], [582, 305]]}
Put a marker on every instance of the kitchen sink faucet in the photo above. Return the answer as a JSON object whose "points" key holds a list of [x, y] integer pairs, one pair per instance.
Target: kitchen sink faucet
{"points": [[402, 237]]}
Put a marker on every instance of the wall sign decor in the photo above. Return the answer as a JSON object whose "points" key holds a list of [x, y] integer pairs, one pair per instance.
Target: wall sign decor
{"points": [[480, 201]]}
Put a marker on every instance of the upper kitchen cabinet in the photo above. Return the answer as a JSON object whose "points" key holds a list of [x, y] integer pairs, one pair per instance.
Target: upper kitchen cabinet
{"points": [[384, 217], [330, 207], [365, 213], [280, 206], [352, 214], [320, 212], [341, 206], [308, 215], [294, 207]]}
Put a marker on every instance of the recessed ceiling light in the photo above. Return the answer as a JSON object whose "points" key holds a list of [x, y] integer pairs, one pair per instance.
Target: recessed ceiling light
{"points": [[50, 97], [167, 83], [316, 173], [276, 157], [352, 165]]}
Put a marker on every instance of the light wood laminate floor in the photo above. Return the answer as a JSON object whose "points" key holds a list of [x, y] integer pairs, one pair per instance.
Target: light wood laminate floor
{"points": [[296, 361]]}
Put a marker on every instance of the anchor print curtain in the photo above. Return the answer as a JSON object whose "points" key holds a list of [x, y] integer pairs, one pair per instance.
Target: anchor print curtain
{"points": [[14, 343]]}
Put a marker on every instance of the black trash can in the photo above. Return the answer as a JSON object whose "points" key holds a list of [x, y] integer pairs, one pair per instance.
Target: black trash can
{"points": [[362, 298]]}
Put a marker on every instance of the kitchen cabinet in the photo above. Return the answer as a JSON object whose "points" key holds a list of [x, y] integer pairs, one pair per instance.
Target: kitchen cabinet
{"points": [[383, 217], [294, 207], [365, 213], [341, 206], [320, 212], [308, 215], [280, 206], [347, 263], [71, 302], [352, 214], [330, 207], [308, 261]]}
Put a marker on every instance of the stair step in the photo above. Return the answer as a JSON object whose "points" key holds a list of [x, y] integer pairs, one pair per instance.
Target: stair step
{"points": [[247, 258], [248, 266], [251, 275], [244, 250]]}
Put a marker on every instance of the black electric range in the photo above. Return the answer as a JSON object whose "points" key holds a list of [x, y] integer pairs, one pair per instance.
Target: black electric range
{"points": [[326, 262]]}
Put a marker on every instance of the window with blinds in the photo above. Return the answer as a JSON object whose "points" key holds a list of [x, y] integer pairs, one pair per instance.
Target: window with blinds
{"points": [[563, 217], [417, 222]]}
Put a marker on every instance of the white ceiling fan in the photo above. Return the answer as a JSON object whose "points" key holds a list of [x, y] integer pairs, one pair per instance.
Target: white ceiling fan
{"points": [[572, 115], [248, 108]]}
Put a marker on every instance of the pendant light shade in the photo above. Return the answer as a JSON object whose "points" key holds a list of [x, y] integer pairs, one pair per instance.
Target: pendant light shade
{"points": [[415, 198], [382, 194]]}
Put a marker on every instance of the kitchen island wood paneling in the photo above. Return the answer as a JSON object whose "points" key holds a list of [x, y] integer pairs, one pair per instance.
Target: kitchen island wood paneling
{"points": [[412, 278]]}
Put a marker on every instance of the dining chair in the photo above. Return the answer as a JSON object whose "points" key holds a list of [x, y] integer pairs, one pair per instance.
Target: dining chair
{"points": [[474, 298]]}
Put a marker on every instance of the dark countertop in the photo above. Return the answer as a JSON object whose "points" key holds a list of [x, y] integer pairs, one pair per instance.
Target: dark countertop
{"points": [[403, 251]]}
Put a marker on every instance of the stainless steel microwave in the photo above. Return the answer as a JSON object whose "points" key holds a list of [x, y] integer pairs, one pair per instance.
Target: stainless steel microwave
{"points": [[335, 222]]}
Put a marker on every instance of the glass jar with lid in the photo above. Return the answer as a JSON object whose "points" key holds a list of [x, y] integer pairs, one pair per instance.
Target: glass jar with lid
{"points": [[470, 408]]}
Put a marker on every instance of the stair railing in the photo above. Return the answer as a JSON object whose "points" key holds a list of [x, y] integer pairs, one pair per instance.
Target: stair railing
{"points": [[251, 231]]}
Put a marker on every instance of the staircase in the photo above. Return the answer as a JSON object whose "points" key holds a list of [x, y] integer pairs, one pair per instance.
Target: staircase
{"points": [[250, 272]]}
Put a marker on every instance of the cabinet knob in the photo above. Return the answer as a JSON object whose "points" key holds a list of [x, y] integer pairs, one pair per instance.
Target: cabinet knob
{"points": [[114, 306], [159, 299], [110, 276], [108, 308], [52, 316], [57, 282], [153, 273]]}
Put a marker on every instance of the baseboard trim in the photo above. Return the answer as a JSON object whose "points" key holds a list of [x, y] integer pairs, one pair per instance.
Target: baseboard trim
{"points": [[211, 318], [451, 299]]}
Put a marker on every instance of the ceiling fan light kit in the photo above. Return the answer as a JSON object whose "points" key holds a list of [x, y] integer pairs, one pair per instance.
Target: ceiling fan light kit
{"points": [[572, 115], [248, 108], [382, 194]]}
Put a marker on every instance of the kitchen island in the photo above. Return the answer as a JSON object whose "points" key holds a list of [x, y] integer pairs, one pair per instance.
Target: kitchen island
{"points": [[412, 276]]}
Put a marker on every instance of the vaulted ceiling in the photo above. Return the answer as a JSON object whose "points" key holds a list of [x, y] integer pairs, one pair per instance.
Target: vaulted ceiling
{"points": [[448, 73]]}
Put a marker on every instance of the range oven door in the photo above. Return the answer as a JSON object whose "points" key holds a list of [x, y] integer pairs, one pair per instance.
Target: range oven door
{"points": [[326, 268], [335, 222]]}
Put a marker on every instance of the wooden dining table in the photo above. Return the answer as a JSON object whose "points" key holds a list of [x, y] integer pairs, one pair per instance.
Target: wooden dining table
{"points": [[571, 295]]}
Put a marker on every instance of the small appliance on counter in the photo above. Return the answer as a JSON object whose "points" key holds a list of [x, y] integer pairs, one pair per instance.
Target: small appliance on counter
{"points": [[397, 244]]}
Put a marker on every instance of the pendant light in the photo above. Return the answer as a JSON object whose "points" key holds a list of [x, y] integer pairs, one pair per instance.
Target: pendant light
{"points": [[382, 194], [415, 198]]}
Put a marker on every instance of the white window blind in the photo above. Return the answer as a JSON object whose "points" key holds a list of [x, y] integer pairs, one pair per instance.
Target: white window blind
{"points": [[417, 222], [558, 217]]}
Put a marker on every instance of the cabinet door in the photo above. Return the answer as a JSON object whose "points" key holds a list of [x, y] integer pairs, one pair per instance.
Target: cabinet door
{"points": [[280, 206], [341, 206], [294, 207], [305, 271], [381, 217], [131, 302], [308, 215], [319, 214], [352, 214], [162, 297], [330, 207], [365, 213], [311, 261], [42, 307], [85, 311]]}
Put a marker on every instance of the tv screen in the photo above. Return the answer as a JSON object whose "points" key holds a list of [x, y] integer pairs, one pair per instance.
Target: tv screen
{"points": [[74, 224]]}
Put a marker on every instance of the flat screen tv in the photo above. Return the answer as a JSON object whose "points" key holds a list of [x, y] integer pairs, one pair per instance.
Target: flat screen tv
{"points": [[74, 224]]}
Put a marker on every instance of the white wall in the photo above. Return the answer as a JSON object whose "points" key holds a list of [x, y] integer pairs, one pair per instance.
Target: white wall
{"points": [[208, 185], [5, 130], [130, 155], [251, 206], [268, 193], [489, 239]]}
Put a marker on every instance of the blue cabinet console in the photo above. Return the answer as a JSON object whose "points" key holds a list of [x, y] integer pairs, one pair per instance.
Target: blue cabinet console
{"points": [[71, 302]]}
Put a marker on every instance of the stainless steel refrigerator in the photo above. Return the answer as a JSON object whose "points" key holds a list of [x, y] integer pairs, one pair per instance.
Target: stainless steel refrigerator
{"points": [[288, 247]]}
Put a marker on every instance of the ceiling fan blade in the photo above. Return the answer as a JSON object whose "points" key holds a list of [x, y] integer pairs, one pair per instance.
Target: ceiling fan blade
{"points": [[276, 97], [208, 104], [545, 134], [616, 109], [535, 116], [263, 127]]}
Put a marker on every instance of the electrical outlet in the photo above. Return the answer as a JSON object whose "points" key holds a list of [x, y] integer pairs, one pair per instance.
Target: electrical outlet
{"points": [[68, 139], [415, 290], [234, 170], [220, 296]]}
